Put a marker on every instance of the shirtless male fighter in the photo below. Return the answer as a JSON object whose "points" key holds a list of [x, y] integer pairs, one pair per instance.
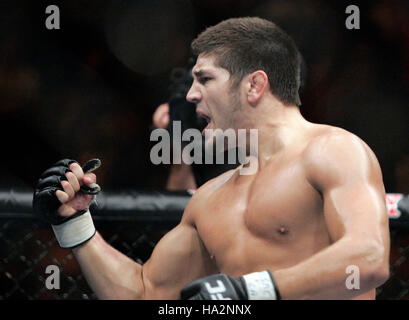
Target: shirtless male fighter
{"points": [[315, 207]]}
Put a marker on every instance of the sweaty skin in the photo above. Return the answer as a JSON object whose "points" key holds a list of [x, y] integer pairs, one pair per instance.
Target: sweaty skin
{"points": [[315, 207]]}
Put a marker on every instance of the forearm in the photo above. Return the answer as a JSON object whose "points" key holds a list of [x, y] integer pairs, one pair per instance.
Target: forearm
{"points": [[110, 274], [324, 275]]}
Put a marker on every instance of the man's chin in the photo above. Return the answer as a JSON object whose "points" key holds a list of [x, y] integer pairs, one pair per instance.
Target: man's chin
{"points": [[215, 141], [209, 142], [209, 129]]}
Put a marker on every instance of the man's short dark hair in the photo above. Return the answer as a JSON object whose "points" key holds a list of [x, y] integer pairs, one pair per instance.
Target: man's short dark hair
{"points": [[244, 45]]}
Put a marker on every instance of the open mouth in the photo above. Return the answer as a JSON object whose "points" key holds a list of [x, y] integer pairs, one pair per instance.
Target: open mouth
{"points": [[206, 118]]}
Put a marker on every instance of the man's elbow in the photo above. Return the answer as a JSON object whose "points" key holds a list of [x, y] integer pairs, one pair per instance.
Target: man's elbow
{"points": [[377, 276], [376, 271]]}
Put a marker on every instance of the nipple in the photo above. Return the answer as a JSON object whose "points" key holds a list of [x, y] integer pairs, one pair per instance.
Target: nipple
{"points": [[283, 230]]}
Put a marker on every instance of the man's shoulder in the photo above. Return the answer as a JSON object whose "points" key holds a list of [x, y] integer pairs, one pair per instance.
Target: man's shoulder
{"points": [[203, 194], [214, 184], [334, 153], [327, 141]]}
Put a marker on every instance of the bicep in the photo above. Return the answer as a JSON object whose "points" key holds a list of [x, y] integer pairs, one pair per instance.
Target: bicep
{"points": [[178, 259], [356, 211], [349, 178]]}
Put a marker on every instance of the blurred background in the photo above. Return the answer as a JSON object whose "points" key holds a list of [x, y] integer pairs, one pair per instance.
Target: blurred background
{"points": [[90, 89]]}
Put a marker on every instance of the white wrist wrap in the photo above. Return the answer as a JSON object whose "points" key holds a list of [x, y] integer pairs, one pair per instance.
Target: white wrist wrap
{"points": [[75, 231], [259, 286]]}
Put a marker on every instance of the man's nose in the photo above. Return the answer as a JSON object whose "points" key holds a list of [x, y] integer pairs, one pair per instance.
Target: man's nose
{"points": [[193, 95]]}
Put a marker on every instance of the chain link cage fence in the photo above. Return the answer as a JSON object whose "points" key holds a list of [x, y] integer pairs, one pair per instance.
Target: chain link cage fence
{"points": [[28, 246]]}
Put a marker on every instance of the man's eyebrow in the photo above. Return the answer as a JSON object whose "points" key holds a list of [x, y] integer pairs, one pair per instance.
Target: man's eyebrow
{"points": [[199, 72]]}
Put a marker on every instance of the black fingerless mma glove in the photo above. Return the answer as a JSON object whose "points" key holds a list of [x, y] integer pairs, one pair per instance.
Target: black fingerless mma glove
{"points": [[252, 286], [73, 230]]}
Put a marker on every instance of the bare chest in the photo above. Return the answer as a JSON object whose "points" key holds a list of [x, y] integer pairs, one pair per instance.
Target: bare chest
{"points": [[248, 216]]}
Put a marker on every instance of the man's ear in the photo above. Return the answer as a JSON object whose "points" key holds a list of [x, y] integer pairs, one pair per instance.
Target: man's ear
{"points": [[257, 85]]}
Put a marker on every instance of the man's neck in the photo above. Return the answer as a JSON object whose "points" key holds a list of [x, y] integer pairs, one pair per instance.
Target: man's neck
{"points": [[279, 127]]}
